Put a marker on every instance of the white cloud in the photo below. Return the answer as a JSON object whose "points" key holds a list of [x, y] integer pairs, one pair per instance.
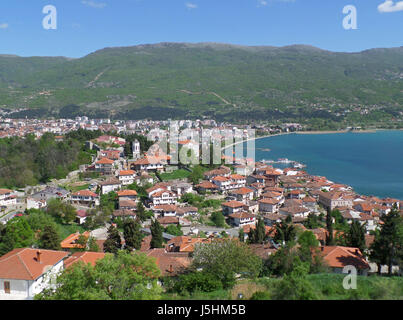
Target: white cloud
{"points": [[93, 4], [191, 5], [390, 6], [262, 3], [3, 25]]}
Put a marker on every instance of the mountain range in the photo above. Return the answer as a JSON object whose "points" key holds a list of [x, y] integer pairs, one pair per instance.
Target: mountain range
{"points": [[222, 81]]}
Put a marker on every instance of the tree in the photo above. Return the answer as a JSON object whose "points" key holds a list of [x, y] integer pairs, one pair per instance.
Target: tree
{"points": [[132, 234], [61, 211], [113, 243], [141, 212], [156, 233], [175, 230], [284, 231], [124, 276], [224, 258], [356, 236], [218, 219], [49, 238], [329, 228], [16, 234], [196, 175], [295, 286], [312, 221], [388, 244], [258, 235], [241, 235]]}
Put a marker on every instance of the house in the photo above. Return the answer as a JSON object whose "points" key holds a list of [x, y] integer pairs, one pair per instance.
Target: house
{"points": [[242, 194], [271, 218], [84, 257], [7, 198], [185, 244], [206, 186], [71, 242], [166, 221], [149, 164], [50, 193], [127, 177], [295, 211], [166, 210], [269, 205], [337, 257], [127, 205], [104, 166], [223, 183], [85, 197], [128, 195], [231, 207], [240, 219], [170, 263], [181, 188], [110, 185], [26, 272], [124, 213], [187, 211], [81, 216], [35, 204], [163, 197], [296, 194], [221, 171], [334, 199]]}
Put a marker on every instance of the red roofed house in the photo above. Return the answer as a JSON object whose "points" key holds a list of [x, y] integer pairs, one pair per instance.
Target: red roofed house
{"points": [[241, 219], [26, 272], [337, 257], [7, 198], [104, 166], [84, 257], [243, 194], [85, 197], [127, 177], [232, 207]]}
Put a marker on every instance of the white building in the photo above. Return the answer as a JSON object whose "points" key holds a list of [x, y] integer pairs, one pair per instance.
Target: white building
{"points": [[26, 272]]}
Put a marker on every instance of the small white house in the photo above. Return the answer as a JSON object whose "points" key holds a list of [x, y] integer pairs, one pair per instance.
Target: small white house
{"points": [[26, 272]]}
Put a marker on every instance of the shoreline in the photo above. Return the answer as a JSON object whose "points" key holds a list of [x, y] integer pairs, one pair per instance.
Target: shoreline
{"points": [[310, 132]]}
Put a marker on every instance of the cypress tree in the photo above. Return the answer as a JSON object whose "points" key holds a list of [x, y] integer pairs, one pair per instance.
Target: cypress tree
{"points": [[329, 227], [132, 234], [49, 238], [156, 233], [113, 243]]}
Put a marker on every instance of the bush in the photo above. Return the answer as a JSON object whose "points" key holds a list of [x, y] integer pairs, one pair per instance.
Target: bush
{"points": [[197, 281], [261, 295]]}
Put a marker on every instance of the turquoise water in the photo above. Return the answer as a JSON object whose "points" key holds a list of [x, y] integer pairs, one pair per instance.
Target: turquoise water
{"points": [[372, 163]]}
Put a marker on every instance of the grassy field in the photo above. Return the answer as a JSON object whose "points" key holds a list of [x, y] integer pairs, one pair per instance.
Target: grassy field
{"points": [[177, 174], [326, 287]]}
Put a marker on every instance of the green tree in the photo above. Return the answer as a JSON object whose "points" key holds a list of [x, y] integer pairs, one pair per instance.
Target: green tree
{"points": [[224, 258], [388, 245], [196, 175], [295, 286], [156, 233], [16, 234], [356, 236], [141, 212], [175, 230], [113, 243], [124, 276], [329, 228], [132, 234], [218, 219], [258, 235], [241, 235], [49, 238], [284, 231]]}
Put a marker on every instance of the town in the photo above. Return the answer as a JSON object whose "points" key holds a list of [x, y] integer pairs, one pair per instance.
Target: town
{"points": [[179, 207]]}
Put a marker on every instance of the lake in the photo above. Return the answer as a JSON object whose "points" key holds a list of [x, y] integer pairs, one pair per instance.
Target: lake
{"points": [[372, 163]]}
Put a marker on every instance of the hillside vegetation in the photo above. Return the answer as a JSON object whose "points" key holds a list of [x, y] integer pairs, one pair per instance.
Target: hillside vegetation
{"points": [[175, 80]]}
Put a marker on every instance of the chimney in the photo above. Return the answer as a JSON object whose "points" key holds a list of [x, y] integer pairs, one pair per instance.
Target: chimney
{"points": [[38, 256]]}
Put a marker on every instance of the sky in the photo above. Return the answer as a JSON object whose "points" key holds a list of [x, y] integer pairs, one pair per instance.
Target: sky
{"points": [[84, 26]]}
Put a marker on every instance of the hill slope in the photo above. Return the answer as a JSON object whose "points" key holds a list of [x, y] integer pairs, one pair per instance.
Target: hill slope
{"points": [[191, 80]]}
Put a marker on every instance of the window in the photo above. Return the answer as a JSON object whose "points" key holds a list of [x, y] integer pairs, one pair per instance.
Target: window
{"points": [[6, 287]]}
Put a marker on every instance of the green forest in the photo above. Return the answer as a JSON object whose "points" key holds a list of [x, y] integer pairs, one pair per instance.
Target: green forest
{"points": [[29, 161]]}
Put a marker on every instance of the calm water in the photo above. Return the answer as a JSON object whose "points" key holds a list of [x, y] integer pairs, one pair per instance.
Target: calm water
{"points": [[372, 163]]}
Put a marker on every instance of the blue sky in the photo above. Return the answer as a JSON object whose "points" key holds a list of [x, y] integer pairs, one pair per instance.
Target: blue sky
{"points": [[84, 26]]}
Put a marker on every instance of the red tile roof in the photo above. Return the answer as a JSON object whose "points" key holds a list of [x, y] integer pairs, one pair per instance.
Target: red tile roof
{"points": [[23, 264], [85, 257]]}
